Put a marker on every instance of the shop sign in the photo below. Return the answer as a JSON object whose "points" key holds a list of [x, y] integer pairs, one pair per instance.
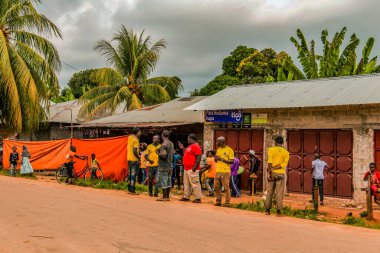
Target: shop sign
{"points": [[224, 116], [260, 118]]}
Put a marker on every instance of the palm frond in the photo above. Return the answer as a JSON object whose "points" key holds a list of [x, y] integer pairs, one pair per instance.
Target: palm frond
{"points": [[107, 76], [154, 93]]}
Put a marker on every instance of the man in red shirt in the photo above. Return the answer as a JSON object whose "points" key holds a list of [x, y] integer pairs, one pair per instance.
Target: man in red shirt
{"points": [[191, 160], [375, 181]]}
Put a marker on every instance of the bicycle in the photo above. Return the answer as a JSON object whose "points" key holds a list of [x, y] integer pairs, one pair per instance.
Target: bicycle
{"points": [[94, 176]]}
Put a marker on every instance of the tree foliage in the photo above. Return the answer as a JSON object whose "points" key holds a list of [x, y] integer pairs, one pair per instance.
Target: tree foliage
{"points": [[334, 60], [28, 64], [78, 84], [261, 66], [132, 58], [217, 84], [246, 65], [231, 62]]}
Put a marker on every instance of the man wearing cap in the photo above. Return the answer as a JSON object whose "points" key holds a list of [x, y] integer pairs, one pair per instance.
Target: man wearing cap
{"points": [[254, 166], [375, 181]]}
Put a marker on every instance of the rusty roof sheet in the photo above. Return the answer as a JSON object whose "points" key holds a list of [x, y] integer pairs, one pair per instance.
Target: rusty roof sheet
{"points": [[340, 91]]}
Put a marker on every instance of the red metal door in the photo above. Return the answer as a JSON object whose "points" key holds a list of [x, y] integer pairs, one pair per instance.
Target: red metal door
{"points": [[377, 149], [241, 141], [334, 147]]}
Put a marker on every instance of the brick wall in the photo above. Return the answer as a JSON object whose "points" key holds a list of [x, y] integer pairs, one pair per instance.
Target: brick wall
{"points": [[362, 120]]}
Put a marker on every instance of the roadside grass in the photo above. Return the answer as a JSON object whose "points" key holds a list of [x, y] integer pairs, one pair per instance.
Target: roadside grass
{"points": [[107, 184], [7, 173], [258, 206]]}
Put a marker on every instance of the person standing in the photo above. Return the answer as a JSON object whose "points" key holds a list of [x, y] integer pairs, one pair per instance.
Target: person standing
{"points": [[176, 169], [235, 178], [278, 158], [224, 158], [152, 163], [133, 159], [143, 164], [318, 170], [13, 160], [26, 167], [165, 165], [191, 162], [374, 181], [254, 166], [94, 167], [211, 165]]}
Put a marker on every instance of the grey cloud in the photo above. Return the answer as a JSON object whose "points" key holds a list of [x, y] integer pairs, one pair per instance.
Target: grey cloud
{"points": [[201, 33]]}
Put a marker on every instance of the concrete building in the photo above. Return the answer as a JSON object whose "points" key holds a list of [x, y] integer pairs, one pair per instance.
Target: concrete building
{"points": [[339, 118]]}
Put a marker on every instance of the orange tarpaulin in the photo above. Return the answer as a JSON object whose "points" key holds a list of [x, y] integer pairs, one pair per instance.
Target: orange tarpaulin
{"points": [[45, 155], [111, 154]]}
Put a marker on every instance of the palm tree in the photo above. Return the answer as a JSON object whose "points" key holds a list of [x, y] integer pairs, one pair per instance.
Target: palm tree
{"points": [[28, 64], [333, 62], [132, 58]]}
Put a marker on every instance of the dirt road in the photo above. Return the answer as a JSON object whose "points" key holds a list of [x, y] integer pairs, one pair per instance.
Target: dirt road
{"points": [[39, 216]]}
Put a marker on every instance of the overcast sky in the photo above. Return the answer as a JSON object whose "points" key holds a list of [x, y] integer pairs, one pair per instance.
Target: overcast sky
{"points": [[201, 33]]}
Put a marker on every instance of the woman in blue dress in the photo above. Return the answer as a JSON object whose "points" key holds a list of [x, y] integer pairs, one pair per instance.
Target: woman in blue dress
{"points": [[26, 167]]}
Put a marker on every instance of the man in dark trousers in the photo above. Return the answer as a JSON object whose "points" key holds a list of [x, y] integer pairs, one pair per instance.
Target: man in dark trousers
{"points": [[254, 166], [133, 156], [165, 165], [318, 170]]}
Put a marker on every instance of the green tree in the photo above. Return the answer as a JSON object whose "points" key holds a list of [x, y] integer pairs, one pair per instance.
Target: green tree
{"points": [[28, 64], [231, 62], [133, 58], [261, 66], [81, 82], [217, 84], [334, 61], [66, 95]]}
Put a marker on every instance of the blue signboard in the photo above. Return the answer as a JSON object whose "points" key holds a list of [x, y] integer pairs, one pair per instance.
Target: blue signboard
{"points": [[224, 116]]}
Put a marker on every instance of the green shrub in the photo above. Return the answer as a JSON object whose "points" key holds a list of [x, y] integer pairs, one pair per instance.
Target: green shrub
{"points": [[351, 220]]}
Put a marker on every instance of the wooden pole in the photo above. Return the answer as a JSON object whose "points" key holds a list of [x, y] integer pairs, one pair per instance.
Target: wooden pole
{"points": [[253, 187], [369, 200]]}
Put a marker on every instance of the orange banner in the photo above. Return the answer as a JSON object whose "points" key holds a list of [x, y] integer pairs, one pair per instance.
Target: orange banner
{"points": [[111, 154], [45, 155]]}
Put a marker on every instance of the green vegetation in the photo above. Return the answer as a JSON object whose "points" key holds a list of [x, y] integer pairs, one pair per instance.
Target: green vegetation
{"points": [[6, 173], [258, 206], [133, 58], [78, 84], [245, 65], [249, 65], [334, 61], [29, 63]]}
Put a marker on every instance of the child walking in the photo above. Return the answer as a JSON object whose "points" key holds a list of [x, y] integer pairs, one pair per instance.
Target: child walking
{"points": [[13, 160], [94, 166]]}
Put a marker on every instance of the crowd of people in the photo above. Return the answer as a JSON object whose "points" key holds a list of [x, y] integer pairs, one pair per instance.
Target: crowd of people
{"points": [[160, 165]]}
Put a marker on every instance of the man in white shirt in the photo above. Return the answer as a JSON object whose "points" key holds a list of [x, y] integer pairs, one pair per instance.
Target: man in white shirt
{"points": [[318, 170]]}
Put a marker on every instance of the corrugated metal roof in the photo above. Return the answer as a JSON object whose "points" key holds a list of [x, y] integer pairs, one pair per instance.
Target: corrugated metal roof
{"points": [[351, 90], [170, 112], [61, 112]]}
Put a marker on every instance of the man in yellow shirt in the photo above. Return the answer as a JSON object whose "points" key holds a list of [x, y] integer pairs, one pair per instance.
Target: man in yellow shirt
{"points": [[224, 158], [278, 158], [152, 163], [133, 158]]}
